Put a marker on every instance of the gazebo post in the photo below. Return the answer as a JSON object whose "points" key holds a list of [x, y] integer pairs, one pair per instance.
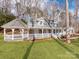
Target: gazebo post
{"points": [[13, 34], [22, 34], [4, 34]]}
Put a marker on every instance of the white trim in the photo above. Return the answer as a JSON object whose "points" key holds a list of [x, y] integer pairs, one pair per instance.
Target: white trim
{"points": [[13, 34], [42, 33], [27, 34], [22, 33], [4, 34]]}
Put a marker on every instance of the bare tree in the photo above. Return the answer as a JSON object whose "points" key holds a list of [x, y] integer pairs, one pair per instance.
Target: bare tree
{"points": [[67, 17], [6, 6], [76, 15]]}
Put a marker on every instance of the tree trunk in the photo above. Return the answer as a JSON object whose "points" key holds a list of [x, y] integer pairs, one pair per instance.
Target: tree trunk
{"points": [[67, 17]]}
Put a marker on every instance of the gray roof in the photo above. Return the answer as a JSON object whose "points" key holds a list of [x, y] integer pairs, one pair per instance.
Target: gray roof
{"points": [[16, 23]]}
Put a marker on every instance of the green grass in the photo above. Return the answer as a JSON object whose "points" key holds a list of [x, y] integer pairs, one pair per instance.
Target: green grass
{"points": [[52, 49]]}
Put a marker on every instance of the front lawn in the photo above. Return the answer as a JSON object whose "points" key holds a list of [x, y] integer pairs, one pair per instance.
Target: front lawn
{"points": [[49, 49]]}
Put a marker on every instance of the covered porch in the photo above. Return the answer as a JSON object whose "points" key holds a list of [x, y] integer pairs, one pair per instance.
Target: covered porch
{"points": [[26, 34]]}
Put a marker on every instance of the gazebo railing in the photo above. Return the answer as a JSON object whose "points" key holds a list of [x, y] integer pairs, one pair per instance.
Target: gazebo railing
{"points": [[16, 37], [8, 37]]}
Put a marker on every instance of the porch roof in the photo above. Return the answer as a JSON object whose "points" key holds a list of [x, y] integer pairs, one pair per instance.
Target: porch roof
{"points": [[16, 23]]}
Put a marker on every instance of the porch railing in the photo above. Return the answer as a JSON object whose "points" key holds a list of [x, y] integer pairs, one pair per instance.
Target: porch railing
{"points": [[31, 36]]}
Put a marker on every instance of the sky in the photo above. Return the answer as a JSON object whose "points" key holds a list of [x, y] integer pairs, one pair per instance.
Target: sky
{"points": [[59, 3], [62, 2]]}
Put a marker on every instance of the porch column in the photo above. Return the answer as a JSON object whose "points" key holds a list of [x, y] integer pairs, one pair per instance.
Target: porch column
{"points": [[13, 34], [36, 34], [55, 31], [47, 33], [4, 34], [28, 34], [42, 34], [22, 33], [52, 32]]}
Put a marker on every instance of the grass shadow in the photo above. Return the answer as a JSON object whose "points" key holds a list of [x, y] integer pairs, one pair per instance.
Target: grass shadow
{"points": [[68, 49], [28, 50], [76, 42]]}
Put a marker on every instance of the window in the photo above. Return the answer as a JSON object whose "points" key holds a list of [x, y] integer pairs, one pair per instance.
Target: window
{"points": [[31, 31], [54, 31], [40, 31], [49, 31]]}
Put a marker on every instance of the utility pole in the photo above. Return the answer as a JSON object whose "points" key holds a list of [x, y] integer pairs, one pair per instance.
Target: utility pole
{"points": [[67, 19]]}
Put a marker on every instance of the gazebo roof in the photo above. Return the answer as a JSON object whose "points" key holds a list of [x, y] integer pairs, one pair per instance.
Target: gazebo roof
{"points": [[16, 23]]}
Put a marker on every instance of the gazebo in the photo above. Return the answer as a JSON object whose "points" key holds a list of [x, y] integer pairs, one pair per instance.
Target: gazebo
{"points": [[13, 26]]}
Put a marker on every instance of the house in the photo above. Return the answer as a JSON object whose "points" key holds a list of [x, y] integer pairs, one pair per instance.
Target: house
{"points": [[27, 28], [20, 29]]}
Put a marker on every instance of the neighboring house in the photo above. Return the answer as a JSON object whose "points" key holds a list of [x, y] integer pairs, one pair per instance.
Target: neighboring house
{"points": [[30, 29]]}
